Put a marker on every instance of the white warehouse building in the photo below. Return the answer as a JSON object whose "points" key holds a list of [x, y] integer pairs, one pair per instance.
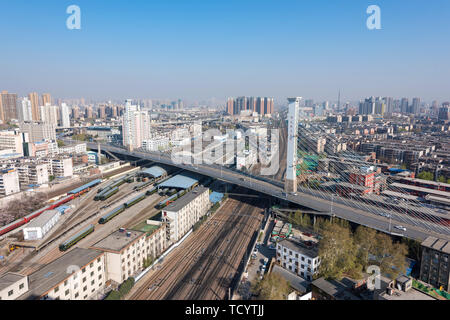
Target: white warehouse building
{"points": [[40, 226]]}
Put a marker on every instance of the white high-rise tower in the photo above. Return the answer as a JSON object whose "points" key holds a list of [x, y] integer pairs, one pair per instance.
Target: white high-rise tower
{"points": [[135, 126], [291, 162], [65, 116]]}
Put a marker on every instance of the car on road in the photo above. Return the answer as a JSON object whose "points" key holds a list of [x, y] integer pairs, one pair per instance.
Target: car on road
{"points": [[400, 228]]}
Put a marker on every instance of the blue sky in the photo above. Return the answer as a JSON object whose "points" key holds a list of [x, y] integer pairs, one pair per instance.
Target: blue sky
{"points": [[197, 49]]}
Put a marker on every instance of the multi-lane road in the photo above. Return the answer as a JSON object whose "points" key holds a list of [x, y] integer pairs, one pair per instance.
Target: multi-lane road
{"points": [[325, 203]]}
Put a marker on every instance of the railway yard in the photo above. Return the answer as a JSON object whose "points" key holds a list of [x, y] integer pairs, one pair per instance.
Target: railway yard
{"points": [[207, 263], [87, 212]]}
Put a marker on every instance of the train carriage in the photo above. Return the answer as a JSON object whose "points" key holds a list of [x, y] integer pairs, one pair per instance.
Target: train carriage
{"points": [[76, 238], [111, 214]]}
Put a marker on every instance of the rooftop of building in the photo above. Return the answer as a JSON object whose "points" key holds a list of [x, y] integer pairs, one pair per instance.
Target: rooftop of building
{"points": [[117, 241], [155, 171], [52, 274], [294, 246], [9, 278], [420, 189], [180, 181], [296, 282], [43, 219], [186, 199], [411, 294], [437, 244], [335, 288]]}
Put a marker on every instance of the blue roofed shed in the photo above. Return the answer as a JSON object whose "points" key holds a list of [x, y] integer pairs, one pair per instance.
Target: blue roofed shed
{"points": [[154, 172], [181, 181]]}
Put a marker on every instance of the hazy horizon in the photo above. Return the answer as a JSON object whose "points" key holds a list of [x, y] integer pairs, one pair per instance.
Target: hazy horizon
{"points": [[198, 50]]}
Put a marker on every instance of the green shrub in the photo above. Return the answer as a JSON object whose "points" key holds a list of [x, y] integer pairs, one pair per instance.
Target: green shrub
{"points": [[113, 295], [126, 286]]}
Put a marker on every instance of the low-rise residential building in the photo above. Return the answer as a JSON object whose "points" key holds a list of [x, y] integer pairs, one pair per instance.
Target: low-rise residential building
{"points": [[156, 144], [33, 173], [297, 259], [182, 214], [9, 182], [125, 251], [12, 285], [77, 275], [73, 149], [435, 266], [11, 140], [62, 167]]}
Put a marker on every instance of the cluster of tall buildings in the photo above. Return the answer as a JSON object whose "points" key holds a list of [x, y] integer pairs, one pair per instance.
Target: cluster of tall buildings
{"points": [[388, 105], [31, 108], [379, 105], [262, 106]]}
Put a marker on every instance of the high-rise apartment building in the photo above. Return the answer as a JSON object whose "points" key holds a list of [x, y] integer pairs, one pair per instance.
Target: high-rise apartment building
{"points": [[135, 126], [9, 106], [444, 112], [262, 106], [89, 113], [24, 110], [49, 114], [389, 102], [404, 105], [34, 99], [46, 98], [415, 107], [65, 116], [372, 105], [102, 111], [76, 113]]}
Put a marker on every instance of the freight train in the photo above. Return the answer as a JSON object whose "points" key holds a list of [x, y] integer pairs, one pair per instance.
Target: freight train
{"points": [[70, 196]]}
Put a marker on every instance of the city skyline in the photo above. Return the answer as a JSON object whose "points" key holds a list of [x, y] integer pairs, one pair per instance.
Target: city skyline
{"points": [[219, 49]]}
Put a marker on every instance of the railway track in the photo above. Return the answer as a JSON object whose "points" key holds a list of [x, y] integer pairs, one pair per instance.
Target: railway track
{"points": [[186, 252], [200, 268]]}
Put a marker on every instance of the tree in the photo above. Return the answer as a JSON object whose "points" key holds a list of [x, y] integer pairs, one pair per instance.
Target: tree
{"points": [[365, 242], [60, 143], [425, 175], [441, 179], [337, 252], [272, 287], [113, 295], [389, 256], [299, 219]]}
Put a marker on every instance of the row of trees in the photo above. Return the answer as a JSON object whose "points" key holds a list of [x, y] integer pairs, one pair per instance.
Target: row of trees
{"points": [[425, 175], [17, 209]]}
